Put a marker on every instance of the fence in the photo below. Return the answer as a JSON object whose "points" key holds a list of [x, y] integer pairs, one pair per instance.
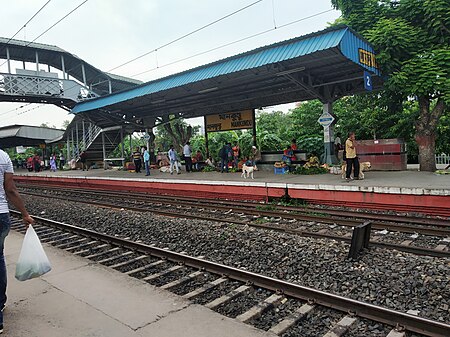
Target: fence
{"points": [[443, 159]]}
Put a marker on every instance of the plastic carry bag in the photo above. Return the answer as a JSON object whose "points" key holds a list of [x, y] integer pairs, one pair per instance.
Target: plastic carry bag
{"points": [[33, 261]]}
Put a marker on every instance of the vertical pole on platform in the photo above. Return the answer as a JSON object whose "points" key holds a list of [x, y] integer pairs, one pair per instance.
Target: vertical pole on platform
{"points": [[109, 86], [104, 151], [329, 157], [78, 140], [254, 127], [84, 136], [206, 138], [123, 146], [131, 144], [148, 140], [72, 147], [68, 149]]}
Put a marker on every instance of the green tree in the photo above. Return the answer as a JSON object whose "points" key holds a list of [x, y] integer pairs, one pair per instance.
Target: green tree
{"points": [[176, 132], [65, 124], [412, 39]]}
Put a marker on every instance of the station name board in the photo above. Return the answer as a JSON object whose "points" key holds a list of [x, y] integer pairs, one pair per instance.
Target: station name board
{"points": [[367, 58], [230, 121]]}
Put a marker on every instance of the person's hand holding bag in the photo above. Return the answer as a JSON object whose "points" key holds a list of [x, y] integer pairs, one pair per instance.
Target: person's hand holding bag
{"points": [[33, 261]]}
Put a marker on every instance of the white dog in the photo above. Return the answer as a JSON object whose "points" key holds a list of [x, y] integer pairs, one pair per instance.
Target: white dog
{"points": [[364, 166], [247, 171]]}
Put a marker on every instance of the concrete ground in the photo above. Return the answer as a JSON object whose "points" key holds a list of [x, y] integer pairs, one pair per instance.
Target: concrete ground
{"points": [[80, 298], [410, 179]]}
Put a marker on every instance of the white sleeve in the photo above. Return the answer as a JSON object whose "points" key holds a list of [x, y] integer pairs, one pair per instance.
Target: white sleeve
{"points": [[5, 162]]}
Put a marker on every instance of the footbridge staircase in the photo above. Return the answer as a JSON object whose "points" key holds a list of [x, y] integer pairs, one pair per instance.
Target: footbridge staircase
{"points": [[63, 79]]}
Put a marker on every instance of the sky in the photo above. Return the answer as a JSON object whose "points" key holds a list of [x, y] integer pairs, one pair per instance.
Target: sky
{"points": [[109, 33]]}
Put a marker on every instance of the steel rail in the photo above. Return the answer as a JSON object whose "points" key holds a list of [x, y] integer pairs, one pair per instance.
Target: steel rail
{"points": [[404, 248], [302, 217], [388, 316], [307, 209]]}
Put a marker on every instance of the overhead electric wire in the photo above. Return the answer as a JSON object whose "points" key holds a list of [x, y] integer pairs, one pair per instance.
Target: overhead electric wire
{"points": [[64, 17], [34, 15], [234, 42], [181, 37], [15, 109], [186, 35], [22, 112]]}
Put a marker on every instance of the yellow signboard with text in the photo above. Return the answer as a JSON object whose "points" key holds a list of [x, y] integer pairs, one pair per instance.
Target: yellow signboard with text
{"points": [[367, 58], [230, 121]]}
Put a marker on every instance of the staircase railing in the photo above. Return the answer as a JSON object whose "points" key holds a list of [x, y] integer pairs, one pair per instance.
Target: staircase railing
{"points": [[28, 85]]}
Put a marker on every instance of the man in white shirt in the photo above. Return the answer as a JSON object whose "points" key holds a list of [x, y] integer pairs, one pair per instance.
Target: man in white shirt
{"points": [[8, 191], [187, 153], [173, 160]]}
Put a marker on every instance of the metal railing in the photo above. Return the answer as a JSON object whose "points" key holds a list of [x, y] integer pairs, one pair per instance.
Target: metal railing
{"points": [[443, 159], [26, 85], [90, 134]]}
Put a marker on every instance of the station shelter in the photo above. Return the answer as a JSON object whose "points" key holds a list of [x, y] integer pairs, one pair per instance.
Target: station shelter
{"points": [[324, 65]]}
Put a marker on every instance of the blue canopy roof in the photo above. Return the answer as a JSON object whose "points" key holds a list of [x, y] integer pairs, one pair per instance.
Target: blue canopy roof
{"points": [[292, 70]]}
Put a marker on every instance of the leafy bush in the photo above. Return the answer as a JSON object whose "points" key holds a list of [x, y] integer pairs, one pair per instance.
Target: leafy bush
{"points": [[309, 171], [208, 169]]}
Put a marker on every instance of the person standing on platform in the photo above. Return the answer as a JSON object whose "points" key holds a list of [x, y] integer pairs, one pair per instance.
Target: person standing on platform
{"points": [[256, 155], [37, 163], [146, 161], [137, 160], [236, 155], [223, 154], [8, 191], [83, 160], [187, 153], [173, 160], [62, 161], [53, 163], [351, 158]]}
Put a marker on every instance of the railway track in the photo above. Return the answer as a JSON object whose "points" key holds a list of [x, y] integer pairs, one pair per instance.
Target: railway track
{"points": [[424, 236], [267, 303]]}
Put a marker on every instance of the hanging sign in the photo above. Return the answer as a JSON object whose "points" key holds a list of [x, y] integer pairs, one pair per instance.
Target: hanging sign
{"points": [[230, 121], [325, 119], [367, 81], [367, 58], [146, 137]]}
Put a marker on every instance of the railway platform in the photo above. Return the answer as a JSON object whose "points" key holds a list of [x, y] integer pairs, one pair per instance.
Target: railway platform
{"points": [[410, 190], [81, 298]]}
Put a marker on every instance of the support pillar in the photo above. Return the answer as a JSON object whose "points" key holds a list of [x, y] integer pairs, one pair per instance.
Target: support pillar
{"points": [[63, 67], [84, 74], [37, 63], [123, 146], [8, 60], [329, 157], [105, 165], [206, 138], [68, 150], [78, 141], [254, 127]]}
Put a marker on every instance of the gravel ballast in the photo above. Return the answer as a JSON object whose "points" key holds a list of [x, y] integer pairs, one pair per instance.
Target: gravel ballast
{"points": [[388, 278]]}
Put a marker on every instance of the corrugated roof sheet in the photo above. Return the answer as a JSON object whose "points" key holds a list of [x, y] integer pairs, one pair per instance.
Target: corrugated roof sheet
{"points": [[27, 131], [42, 46], [278, 52], [338, 38]]}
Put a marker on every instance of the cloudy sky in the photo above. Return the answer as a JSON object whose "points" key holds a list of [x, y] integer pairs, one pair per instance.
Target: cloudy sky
{"points": [[109, 33]]}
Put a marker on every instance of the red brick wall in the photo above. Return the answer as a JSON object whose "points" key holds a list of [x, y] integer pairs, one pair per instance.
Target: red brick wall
{"points": [[383, 154]]}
